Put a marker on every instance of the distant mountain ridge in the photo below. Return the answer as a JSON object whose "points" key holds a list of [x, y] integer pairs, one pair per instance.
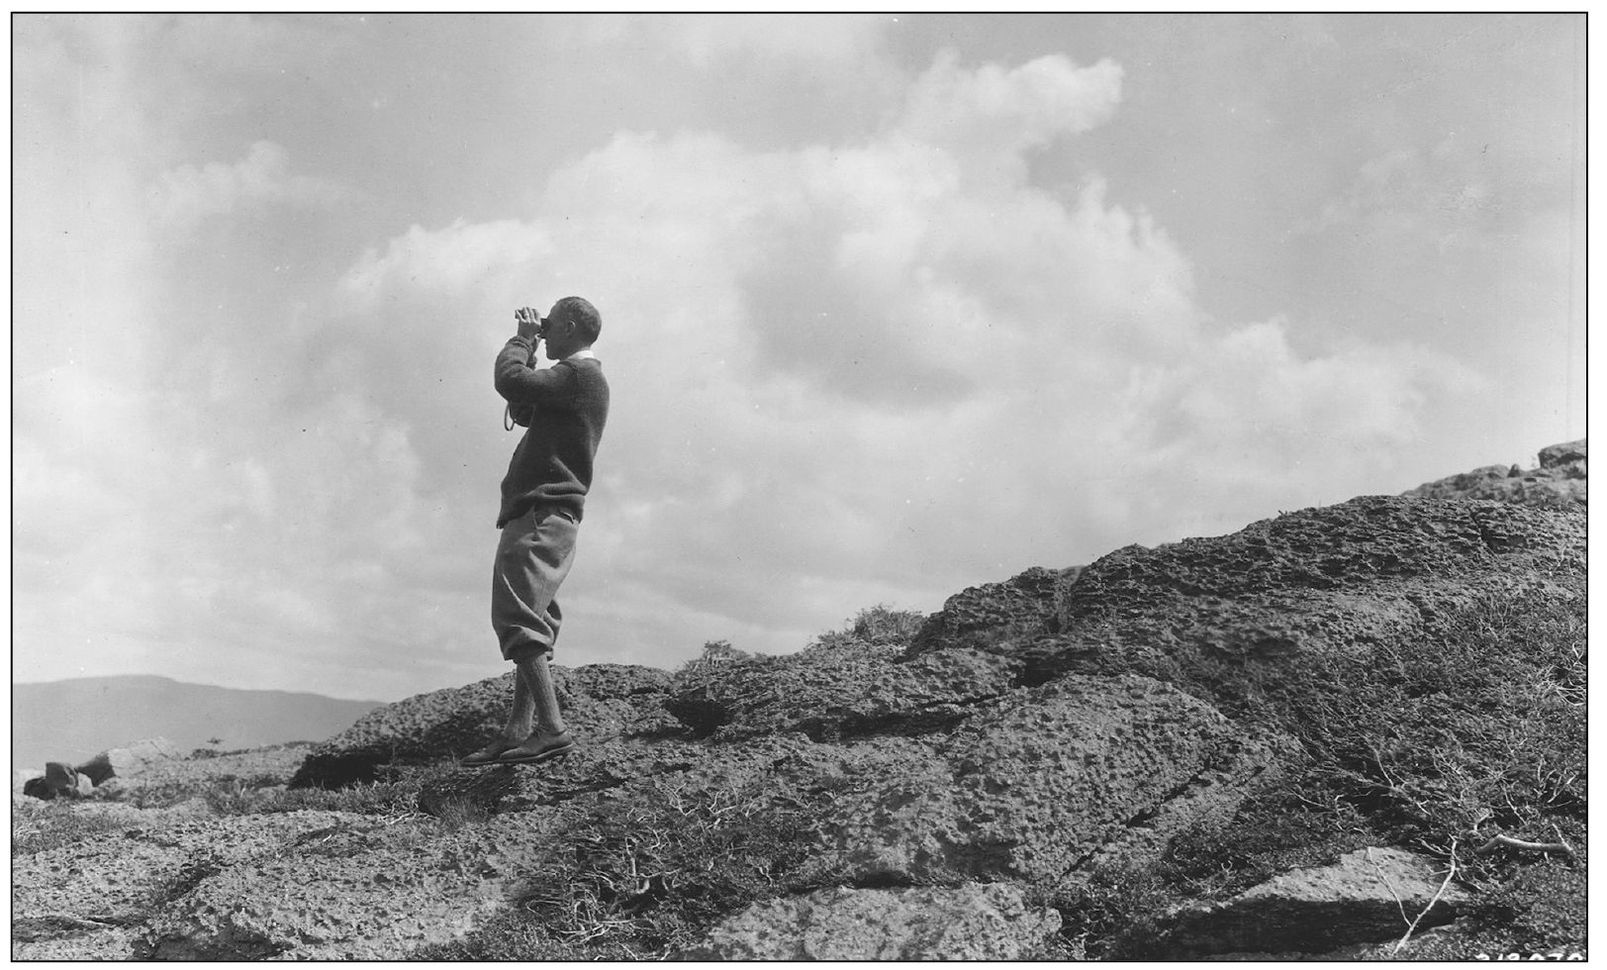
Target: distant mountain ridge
{"points": [[72, 720]]}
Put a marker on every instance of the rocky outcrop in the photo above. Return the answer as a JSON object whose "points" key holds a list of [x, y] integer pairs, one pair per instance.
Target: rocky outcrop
{"points": [[356, 890], [133, 859], [599, 702], [1340, 578], [129, 761], [1368, 895], [970, 922], [842, 693], [1559, 482], [1338, 548], [1567, 458], [58, 781], [1062, 779], [1093, 738], [279, 761], [997, 616], [124, 764]]}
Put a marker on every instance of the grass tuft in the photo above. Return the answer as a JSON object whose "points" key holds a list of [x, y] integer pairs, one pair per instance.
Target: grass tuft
{"points": [[644, 875], [877, 625], [1476, 730]]}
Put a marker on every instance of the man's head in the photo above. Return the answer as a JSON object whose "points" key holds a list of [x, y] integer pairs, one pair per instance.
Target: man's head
{"points": [[572, 325]]}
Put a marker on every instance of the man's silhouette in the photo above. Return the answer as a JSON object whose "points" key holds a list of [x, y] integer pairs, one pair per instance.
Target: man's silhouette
{"points": [[543, 497]]}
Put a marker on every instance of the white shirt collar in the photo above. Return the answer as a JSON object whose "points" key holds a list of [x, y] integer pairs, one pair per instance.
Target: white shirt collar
{"points": [[586, 354]]}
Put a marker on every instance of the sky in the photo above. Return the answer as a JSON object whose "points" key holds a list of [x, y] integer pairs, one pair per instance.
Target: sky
{"points": [[893, 305]]}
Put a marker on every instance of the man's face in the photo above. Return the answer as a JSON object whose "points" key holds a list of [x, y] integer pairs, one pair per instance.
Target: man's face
{"points": [[560, 333]]}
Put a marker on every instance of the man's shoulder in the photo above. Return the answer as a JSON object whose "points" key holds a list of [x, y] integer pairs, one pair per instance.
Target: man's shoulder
{"points": [[588, 376], [589, 367]]}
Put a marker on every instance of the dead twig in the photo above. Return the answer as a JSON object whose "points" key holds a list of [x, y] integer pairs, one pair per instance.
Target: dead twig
{"points": [[1449, 875], [1507, 840], [1387, 884]]}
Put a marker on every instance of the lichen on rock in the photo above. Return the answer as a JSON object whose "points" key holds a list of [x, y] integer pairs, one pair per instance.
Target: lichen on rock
{"points": [[968, 922]]}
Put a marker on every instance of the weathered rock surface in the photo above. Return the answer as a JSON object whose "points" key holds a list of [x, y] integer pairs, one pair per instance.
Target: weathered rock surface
{"points": [[359, 890], [970, 922], [1367, 896], [594, 766], [1082, 771], [599, 701], [41, 940], [1352, 547], [1334, 579], [58, 781], [114, 876], [1559, 482], [1037, 732], [1569, 456], [258, 766], [129, 761], [126, 762], [843, 693], [997, 616]]}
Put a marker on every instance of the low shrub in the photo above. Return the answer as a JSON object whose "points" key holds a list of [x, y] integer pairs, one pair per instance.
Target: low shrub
{"points": [[1477, 728], [57, 824], [878, 625], [646, 874], [716, 655]]}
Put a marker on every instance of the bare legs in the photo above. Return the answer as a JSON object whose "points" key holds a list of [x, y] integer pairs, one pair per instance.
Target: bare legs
{"points": [[535, 726], [535, 702]]}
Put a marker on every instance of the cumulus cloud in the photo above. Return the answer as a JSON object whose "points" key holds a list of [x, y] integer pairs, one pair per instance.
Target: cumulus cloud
{"points": [[446, 261], [994, 110], [190, 193], [884, 369], [878, 367]]}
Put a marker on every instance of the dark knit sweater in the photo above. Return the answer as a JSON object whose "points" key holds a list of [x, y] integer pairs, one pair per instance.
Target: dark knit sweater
{"points": [[567, 405]]}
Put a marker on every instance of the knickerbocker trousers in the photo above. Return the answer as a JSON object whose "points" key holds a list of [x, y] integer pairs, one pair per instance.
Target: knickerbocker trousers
{"points": [[533, 557]]}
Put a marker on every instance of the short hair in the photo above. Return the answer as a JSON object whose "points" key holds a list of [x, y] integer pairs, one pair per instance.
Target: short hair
{"points": [[584, 314]]}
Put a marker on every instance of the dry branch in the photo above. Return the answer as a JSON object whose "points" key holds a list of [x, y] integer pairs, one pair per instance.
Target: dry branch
{"points": [[1508, 840]]}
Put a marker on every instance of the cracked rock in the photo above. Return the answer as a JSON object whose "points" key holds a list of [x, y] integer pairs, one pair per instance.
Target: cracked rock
{"points": [[354, 890], [970, 922], [1081, 771]]}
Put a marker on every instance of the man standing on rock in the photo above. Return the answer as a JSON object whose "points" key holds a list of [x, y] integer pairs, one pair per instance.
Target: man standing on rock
{"points": [[564, 408]]}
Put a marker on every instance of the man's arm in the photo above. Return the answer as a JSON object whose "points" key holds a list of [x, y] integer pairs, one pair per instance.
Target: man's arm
{"points": [[516, 377], [520, 383]]}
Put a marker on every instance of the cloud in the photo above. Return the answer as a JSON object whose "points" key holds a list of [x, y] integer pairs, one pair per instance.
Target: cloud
{"points": [[1454, 194], [445, 261], [994, 111], [885, 369], [188, 194], [876, 366]]}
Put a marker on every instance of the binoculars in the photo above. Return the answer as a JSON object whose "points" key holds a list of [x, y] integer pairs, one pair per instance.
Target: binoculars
{"points": [[530, 315]]}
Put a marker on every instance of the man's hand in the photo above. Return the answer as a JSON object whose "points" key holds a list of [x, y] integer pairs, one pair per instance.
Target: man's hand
{"points": [[529, 323]]}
